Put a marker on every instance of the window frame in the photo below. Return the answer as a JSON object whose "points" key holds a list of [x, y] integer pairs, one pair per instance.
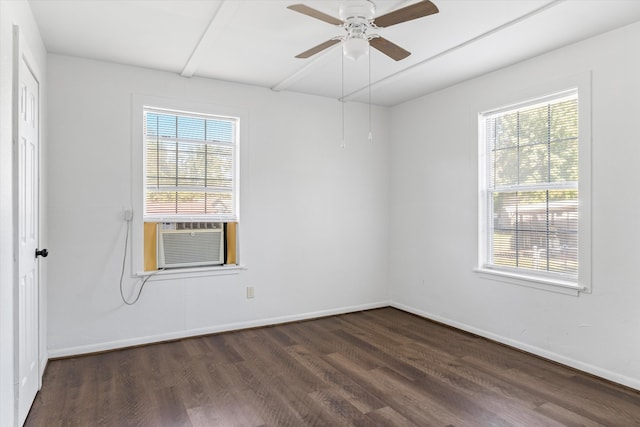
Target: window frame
{"points": [[580, 83], [139, 103]]}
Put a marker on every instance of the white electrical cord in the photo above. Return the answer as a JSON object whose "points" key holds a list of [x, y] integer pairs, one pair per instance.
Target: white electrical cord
{"points": [[124, 260]]}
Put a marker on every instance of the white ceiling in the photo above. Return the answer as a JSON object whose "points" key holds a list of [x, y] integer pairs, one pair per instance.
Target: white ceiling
{"points": [[255, 41]]}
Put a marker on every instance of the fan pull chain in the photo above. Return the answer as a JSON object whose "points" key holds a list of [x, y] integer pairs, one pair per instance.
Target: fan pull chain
{"points": [[343, 145], [369, 88]]}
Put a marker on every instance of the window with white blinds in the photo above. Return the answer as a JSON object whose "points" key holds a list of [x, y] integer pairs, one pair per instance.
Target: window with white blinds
{"points": [[190, 166], [532, 192]]}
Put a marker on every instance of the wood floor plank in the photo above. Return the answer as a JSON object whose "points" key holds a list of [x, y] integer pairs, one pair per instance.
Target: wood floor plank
{"points": [[399, 394], [320, 338], [565, 417], [344, 385], [387, 417], [381, 367], [269, 371], [495, 395], [560, 391], [382, 358], [341, 410]]}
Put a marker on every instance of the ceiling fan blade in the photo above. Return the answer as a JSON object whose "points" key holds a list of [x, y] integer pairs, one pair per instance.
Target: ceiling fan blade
{"points": [[309, 11], [414, 11], [317, 49], [392, 50]]}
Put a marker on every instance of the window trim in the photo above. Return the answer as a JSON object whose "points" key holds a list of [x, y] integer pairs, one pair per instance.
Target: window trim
{"points": [[582, 84], [206, 271], [138, 103]]}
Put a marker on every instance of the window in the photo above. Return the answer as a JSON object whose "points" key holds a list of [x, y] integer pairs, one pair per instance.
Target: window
{"points": [[531, 190], [186, 185], [190, 163]]}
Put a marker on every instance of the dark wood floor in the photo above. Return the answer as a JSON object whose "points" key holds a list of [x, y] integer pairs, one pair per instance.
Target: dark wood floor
{"points": [[375, 368]]}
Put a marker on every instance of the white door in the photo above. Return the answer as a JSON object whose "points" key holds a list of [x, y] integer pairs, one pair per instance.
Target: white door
{"points": [[28, 281]]}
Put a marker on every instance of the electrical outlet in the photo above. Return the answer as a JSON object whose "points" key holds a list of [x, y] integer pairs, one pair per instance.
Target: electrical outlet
{"points": [[250, 292], [127, 214]]}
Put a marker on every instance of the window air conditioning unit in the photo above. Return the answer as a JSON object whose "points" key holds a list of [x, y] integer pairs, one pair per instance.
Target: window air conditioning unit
{"points": [[189, 247]]}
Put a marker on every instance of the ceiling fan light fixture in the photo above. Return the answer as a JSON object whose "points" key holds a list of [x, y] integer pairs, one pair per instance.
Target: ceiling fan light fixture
{"points": [[355, 47]]}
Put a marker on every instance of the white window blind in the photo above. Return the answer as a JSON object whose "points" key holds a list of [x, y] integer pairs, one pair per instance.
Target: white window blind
{"points": [[532, 187], [190, 166]]}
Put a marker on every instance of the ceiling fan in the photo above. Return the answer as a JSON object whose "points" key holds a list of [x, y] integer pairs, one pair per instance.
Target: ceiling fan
{"points": [[357, 19]]}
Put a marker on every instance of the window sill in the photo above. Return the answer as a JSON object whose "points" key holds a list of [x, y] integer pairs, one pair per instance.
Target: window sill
{"points": [[544, 283], [179, 273]]}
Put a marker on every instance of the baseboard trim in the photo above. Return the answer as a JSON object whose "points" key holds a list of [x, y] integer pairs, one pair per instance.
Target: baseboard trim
{"points": [[43, 366], [227, 327], [555, 357]]}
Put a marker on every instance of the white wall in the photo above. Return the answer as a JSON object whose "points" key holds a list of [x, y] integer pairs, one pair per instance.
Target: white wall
{"points": [[14, 13], [434, 216], [313, 216]]}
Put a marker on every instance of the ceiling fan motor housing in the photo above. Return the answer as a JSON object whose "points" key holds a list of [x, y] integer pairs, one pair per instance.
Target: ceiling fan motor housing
{"points": [[357, 16], [360, 10]]}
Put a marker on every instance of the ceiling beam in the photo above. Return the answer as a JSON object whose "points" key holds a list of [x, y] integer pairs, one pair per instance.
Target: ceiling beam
{"points": [[306, 69], [219, 20], [445, 52]]}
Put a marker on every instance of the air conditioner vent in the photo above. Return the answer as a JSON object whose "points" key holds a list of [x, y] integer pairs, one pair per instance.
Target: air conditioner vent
{"points": [[190, 248]]}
